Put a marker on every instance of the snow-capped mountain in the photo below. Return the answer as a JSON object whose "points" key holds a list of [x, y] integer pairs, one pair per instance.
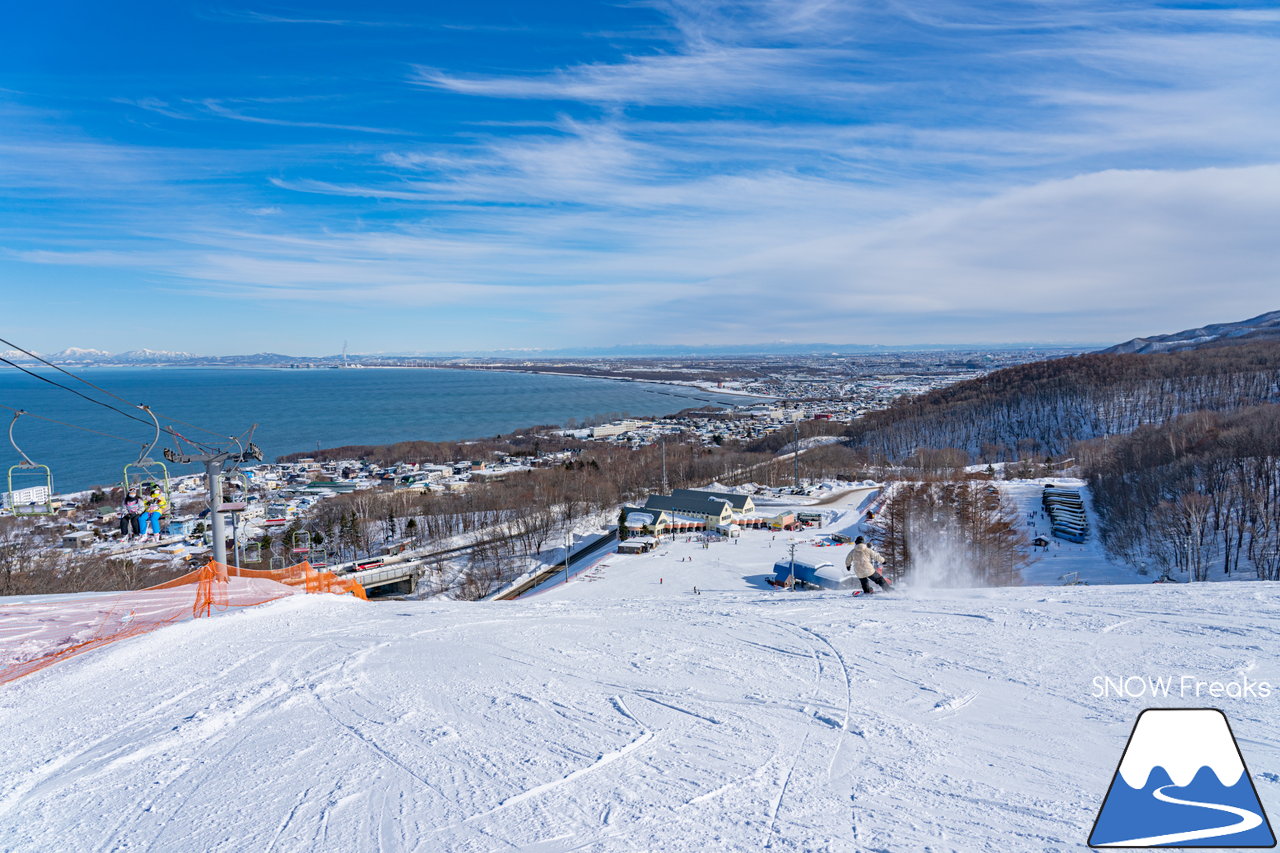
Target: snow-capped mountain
{"points": [[1264, 326], [152, 355], [79, 354]]}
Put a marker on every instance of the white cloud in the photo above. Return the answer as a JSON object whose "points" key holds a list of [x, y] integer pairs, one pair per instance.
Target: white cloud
{"points": [[802, 169], [220, 109]]}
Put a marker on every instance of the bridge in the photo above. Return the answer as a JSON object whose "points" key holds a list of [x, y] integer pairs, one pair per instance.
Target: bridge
{"points": [[396, 579]]}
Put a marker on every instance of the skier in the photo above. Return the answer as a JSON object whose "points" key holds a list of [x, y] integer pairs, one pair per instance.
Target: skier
{"points": [[862, 560], [154, 505], [130, 514]]}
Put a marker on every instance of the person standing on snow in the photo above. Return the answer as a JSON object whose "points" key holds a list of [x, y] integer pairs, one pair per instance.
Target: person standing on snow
{"points": [[862, 560]]}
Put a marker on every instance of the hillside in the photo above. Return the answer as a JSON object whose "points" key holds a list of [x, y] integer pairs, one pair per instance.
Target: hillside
{"points": [[1044, 407], [1263, 327], [728, 721]]}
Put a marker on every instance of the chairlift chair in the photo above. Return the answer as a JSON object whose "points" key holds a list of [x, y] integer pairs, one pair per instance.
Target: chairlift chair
{"points": [[234, 481], [277, 561], [253, 552], [301, 541], [28, 475], [148, 470]]}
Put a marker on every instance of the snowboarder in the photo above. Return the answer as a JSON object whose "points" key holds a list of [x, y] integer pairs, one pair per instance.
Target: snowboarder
{"points": [[862, 560]]}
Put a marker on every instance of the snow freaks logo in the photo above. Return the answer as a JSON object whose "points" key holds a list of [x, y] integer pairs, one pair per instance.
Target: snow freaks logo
{"points": [[1182, 782], [1186, 686]]}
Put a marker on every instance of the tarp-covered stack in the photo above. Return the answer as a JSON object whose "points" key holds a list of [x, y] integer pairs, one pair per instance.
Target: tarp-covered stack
{"points": [[1066, 512]]}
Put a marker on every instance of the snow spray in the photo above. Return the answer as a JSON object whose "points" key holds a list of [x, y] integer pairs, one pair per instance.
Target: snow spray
{"points": [[940, 556]]}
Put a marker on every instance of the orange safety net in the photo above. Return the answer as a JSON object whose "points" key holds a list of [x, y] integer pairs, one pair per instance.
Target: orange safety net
{"points": [[36, 632]]}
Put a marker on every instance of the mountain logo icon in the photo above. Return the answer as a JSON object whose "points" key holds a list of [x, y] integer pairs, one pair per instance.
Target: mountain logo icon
{"points": [[1182, 782]]}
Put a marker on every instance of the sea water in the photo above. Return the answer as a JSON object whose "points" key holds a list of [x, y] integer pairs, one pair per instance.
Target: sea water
{"points": [[300, 410]]}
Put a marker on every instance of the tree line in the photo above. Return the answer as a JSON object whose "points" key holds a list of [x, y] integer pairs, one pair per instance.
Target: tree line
{"points": [[1043, 408], [1193, 495], [950, 534]]}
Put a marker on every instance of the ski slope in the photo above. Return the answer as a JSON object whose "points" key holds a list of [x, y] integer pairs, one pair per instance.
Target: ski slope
{"points": [[740, 719], [1086, 561]]}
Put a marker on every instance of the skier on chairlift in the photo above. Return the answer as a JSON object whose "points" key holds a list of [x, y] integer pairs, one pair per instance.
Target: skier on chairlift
{"points": [[155, 505], [131, 515]]}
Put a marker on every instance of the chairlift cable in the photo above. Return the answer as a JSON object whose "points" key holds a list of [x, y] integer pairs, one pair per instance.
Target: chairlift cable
{"points": [[72, 426], [96, 387], [128, 415], [72, 390]]}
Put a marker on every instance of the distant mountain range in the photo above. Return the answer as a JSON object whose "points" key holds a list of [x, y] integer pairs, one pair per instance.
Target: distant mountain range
{"points": [[82, 357], [1263, 327], [77, 355]]}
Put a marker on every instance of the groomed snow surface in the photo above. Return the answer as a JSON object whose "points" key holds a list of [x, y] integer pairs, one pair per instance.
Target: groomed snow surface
{"points": [[652, 719]]}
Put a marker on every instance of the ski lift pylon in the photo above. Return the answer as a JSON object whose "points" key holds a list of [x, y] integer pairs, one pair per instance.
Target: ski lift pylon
{"points": [[145, 469], [28, 475]]}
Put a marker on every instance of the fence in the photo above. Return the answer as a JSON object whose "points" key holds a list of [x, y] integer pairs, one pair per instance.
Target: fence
{"points": [[37, 634]]}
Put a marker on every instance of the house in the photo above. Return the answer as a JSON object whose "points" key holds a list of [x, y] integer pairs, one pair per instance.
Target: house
{"points": [[783, 521], [77, 539], [618, 428], [26, 500], [652, 522], [697, 506], [739, 503], [637, 545]]}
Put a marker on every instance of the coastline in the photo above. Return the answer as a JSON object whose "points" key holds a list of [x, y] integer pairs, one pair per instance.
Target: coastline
{"points": [[675, 383], [671, 383], [77, 466]]}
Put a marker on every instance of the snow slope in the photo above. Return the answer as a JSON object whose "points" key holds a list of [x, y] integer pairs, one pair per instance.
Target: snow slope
{"points": [[714, 562], [734, 720], [1087, 560]]}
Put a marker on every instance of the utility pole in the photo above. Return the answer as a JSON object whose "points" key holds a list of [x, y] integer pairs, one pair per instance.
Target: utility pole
{"points": [[663, 442], [796, 457], [791, 578], [568, 553]]}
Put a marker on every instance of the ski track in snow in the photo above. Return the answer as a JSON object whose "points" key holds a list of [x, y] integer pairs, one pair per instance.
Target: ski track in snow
{"points": [[621, 716]]}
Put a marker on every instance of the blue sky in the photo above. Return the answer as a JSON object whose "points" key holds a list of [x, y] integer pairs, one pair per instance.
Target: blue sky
{"points": [[239, 177]]}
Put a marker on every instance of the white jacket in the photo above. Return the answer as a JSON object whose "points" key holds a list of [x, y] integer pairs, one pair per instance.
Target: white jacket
{"points": [[862, 559]]}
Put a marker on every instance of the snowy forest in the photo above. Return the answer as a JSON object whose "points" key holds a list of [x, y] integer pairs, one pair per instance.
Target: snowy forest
{"points": [[950, 534], [1181, 450], [1194, 497], [1044, 407]]}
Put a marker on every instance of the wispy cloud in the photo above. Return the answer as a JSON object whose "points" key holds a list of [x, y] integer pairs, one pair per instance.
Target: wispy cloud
{"points": [[779, 169], [220, 109], [295, 17]]}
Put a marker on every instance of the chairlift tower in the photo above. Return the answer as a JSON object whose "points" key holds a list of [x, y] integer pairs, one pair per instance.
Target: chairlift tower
{"points": [[214, 465], [795, 458], [663, 441]]}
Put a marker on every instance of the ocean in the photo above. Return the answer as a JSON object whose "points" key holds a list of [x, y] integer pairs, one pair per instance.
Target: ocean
{"points": [[299, 410]]}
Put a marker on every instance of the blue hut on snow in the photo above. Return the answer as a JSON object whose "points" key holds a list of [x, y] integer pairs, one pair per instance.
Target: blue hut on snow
{"points": [[824, 575]]}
